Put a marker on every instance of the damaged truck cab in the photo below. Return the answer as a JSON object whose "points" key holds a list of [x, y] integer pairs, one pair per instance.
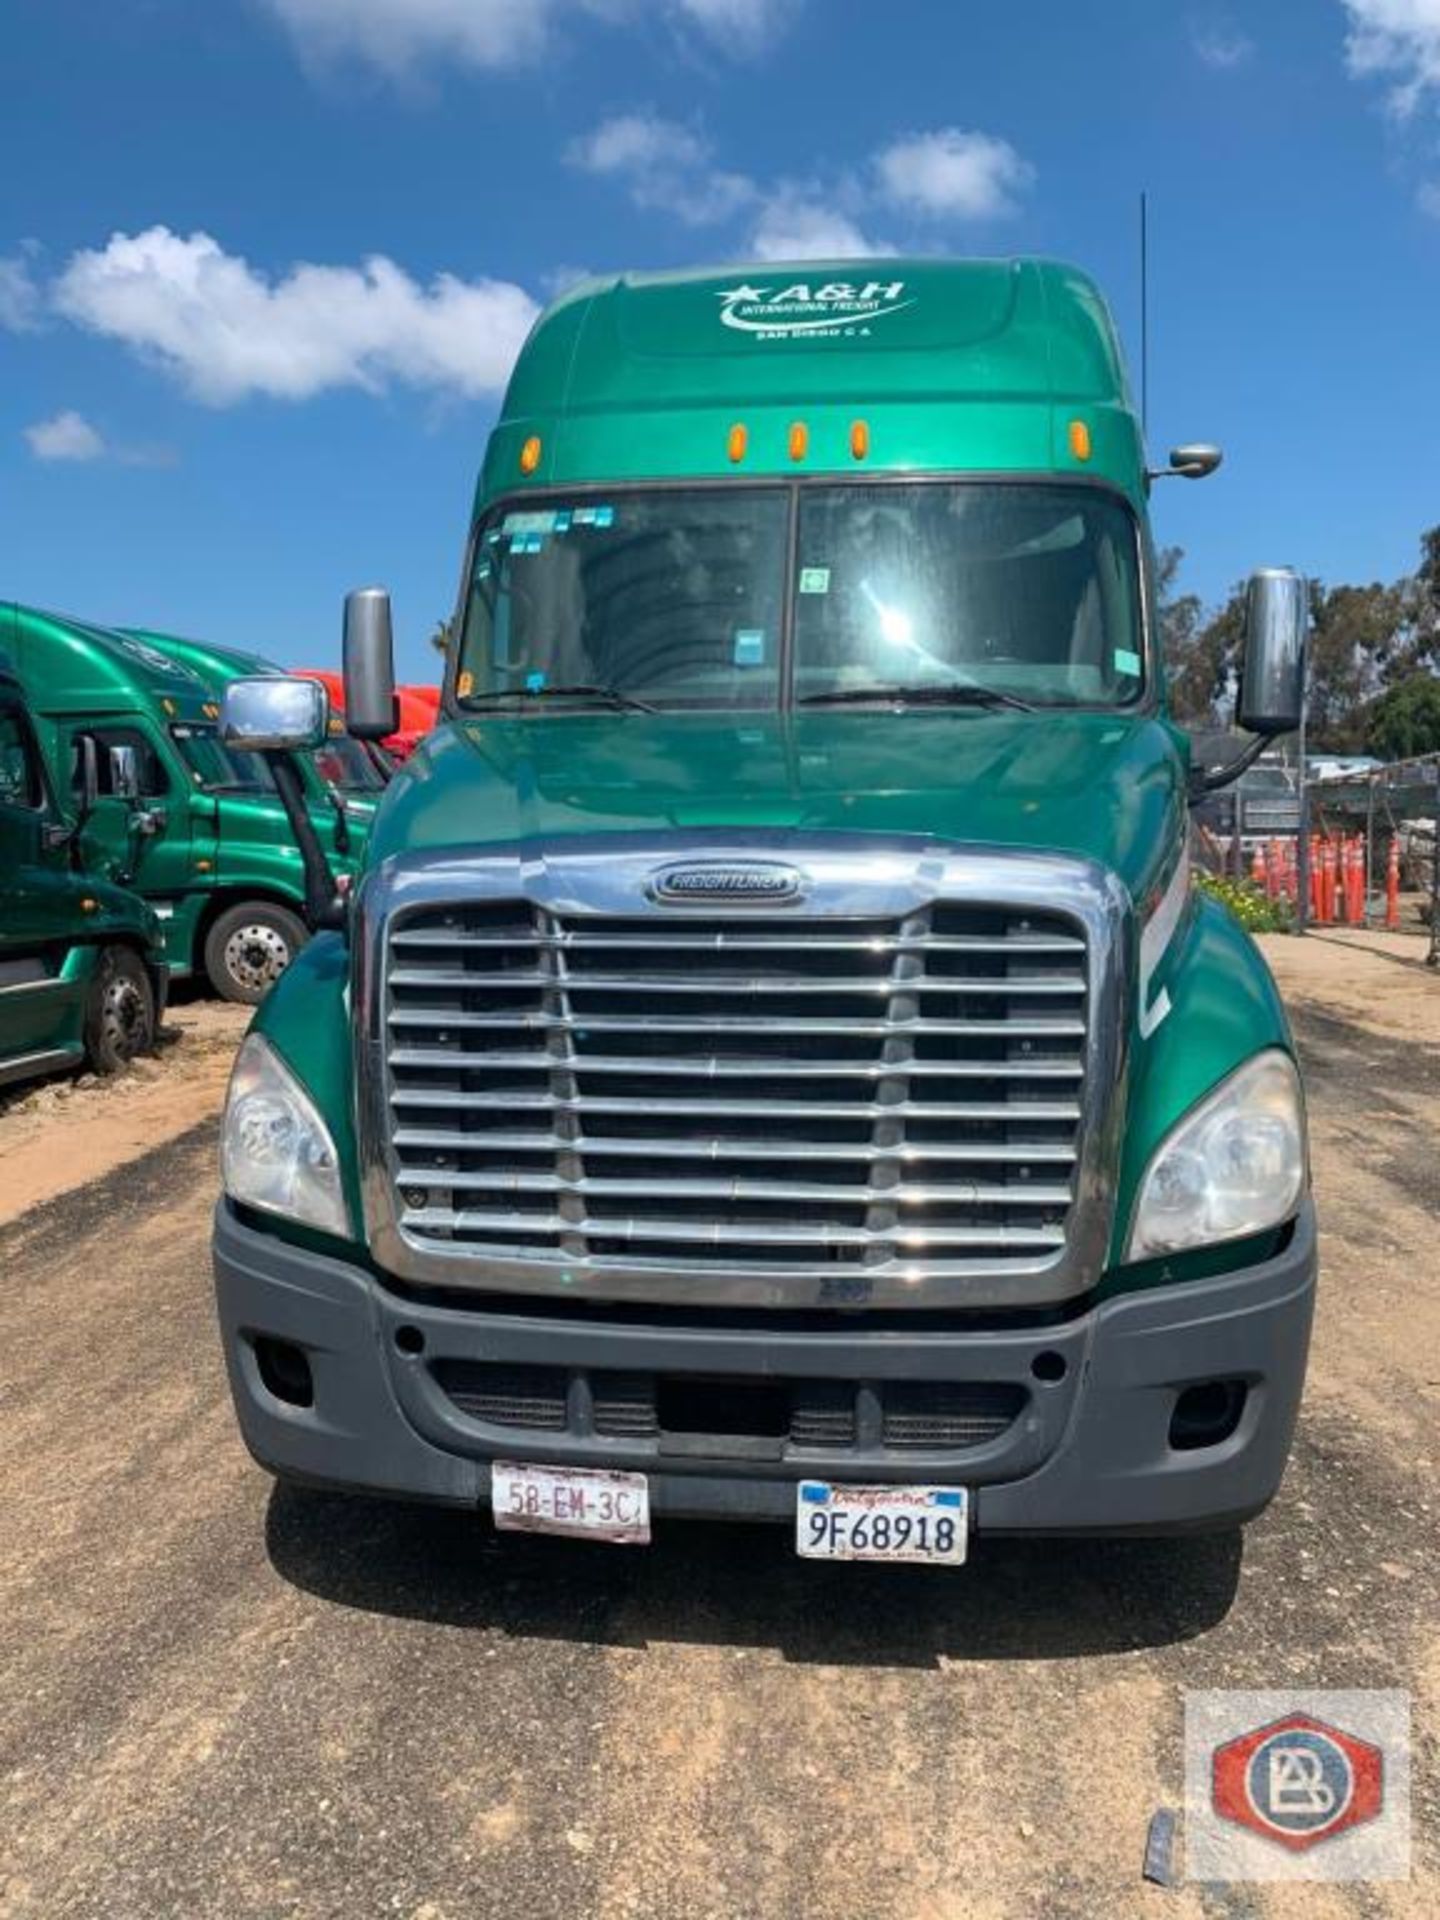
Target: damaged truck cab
{"points": [[773, 1063]]}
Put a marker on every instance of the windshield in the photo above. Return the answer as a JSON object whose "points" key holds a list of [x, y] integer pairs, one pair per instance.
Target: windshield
{"points": [[344, 763], [684, 597], [217, 767]]}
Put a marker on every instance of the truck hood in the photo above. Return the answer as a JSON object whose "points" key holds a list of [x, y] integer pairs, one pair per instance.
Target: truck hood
{"points": [[1104, 785]]}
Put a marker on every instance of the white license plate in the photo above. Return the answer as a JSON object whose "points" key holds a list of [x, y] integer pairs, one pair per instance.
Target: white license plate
{"points": [[928, 1525], [587, 1503]]}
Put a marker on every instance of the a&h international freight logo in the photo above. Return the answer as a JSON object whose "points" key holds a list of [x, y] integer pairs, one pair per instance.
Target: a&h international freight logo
{"points": [[1310, 1786], [835, 309]]}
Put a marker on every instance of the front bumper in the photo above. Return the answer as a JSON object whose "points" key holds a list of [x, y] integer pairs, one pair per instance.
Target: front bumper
{"points": [[1089, 1452]]}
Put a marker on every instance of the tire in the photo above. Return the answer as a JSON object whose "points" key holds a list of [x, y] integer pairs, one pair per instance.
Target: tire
{"points": [[119, 1011], [249, 947]]}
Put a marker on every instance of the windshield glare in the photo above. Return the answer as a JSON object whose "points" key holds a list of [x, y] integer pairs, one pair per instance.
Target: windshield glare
{"points": [[679, 596], [216, 766]]}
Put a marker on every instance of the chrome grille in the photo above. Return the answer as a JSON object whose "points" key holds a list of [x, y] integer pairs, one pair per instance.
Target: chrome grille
{"points": [[899, 1095]]}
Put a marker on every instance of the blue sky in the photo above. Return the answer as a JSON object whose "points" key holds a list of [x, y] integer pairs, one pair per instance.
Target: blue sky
{"points": [[263, 263]]}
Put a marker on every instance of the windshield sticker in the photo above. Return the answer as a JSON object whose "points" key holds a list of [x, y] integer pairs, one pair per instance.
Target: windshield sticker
{"points": [[1127, 662], [535, 682], [749, 646], [465, 685], [815, 580], [529, 522], [562, 523], [604, 516], [838, 309]]}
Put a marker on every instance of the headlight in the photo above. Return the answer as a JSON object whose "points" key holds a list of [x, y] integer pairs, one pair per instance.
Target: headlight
{"points": [[1233, 1166], [275, 1150]]}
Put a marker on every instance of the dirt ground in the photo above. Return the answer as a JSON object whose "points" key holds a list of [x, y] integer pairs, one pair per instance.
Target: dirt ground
{"points": [[219, 1699]]}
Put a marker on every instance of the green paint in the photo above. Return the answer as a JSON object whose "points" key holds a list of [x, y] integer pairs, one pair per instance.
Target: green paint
{"points": [[210, 847], [55, 917]]}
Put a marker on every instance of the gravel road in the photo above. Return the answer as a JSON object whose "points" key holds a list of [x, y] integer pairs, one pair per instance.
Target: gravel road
{"points": [[218, 1699]]}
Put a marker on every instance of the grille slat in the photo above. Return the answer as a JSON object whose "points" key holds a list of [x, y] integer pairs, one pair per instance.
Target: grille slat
{"points": [[699, 1067], [593, 1187], [737, 940], [493, 1140], [726, 983], [721, 1095], [732, 1233], [529, 1020]]}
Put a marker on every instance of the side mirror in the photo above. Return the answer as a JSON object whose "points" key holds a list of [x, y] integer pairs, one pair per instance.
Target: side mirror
{"points": [[274, 713], [125, 773], [371, 709], [1277, 622], [1194, 461]]}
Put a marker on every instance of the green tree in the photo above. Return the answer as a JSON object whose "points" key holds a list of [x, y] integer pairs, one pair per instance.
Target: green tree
{"points": [[1196, 664], [1405, 720], [1358, 637]]}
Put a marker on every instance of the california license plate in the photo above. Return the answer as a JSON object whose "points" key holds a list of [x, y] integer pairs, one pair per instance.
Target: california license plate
{"points": [[588, 1503], [926, 1525]]}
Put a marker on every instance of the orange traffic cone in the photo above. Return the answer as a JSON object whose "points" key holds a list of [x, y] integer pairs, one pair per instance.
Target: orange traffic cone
{"points": [[1392, 885]]}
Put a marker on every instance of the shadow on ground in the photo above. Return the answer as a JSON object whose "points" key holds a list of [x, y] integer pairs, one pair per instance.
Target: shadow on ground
{"points": [[743, 1586]]}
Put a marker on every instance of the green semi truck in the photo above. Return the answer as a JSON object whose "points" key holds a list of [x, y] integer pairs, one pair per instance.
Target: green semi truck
{"points": [[355, 771], [206, 839], [773, 1063], [82, 968]]}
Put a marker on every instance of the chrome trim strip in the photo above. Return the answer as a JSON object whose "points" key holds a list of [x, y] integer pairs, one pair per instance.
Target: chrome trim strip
{"points": [[858, 877]]}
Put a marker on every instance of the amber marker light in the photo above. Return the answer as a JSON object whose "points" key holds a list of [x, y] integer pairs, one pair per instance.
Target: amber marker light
{"points": [[1079, 439], [799, 440], [530, 454], [737, 442], [859, 439]]}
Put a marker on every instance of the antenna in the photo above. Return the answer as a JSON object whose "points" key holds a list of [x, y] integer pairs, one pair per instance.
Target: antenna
{"points": [[1144, 312]]}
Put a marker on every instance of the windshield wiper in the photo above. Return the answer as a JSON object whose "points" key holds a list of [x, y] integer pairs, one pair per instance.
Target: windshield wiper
{"points": [[936, 693], [612, 696]]}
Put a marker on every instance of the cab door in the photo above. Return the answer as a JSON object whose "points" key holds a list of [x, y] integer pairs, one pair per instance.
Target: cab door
{"points": [[144, 842], [41, 1010]]}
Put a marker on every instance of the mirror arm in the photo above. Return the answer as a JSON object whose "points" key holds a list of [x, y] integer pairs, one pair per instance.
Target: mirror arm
{"points": [[1205, 780], [324, 908], [342, 817]]}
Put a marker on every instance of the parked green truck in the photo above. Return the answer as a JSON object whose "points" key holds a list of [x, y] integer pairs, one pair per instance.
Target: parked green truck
{"points": [[773, 1063], [209, 843], [82, 968]]}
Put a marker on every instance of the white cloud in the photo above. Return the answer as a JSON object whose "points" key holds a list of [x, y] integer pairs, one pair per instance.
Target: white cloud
{"points": [[66, 436], [19, 295], [1220, 45], [225, 331], [1427, 198], [399, 35], [953, 174], [665, 165], [794, 226], [1398, 40], [668, 166]]}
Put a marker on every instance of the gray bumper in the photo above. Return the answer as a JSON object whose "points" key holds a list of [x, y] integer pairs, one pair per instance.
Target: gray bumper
{"points": [[1088, 1452]]}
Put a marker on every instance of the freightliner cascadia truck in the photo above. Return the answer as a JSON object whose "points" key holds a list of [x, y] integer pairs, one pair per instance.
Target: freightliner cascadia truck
{"points": [[772, 1063], [204, 837], [83, 977]]}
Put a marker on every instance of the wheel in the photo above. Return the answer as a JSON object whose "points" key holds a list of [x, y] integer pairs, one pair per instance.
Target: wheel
{"points": [[249, 947], [119, 1011]]}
